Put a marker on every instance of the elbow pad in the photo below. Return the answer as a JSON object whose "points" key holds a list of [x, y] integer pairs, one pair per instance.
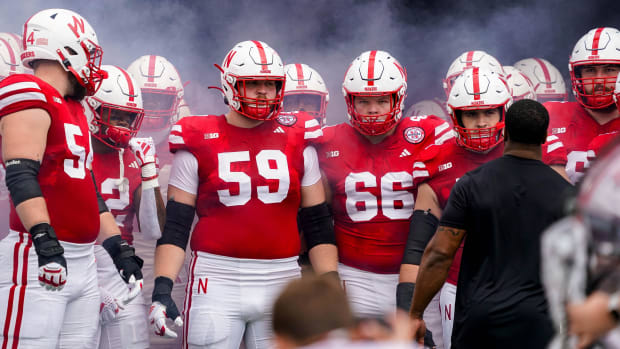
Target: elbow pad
{"points": [[100, 202], [22, 180], [179, 218], [421, 229], [317, 225]]}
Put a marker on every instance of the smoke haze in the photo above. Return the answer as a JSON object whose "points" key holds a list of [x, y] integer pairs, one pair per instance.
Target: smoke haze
{"points": [[328, 35]]}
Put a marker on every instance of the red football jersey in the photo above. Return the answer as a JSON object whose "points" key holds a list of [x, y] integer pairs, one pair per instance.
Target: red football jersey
{"points": [[118, 196], [249, 183], [576, 129], [64, 176], [372, 189], [452, 161]]}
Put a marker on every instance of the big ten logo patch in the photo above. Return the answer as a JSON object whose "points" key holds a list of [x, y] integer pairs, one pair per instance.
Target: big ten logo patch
{"points": [[202, 285]]}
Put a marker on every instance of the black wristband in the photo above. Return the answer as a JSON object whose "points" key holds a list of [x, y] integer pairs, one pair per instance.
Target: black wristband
{"points": [[163, 286], [45, 241], [404, 295]]}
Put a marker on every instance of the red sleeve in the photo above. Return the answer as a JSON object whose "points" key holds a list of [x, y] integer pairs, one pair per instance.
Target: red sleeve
{"points": [[179, 138], [554, 152], [426, 164], [20, 92]]}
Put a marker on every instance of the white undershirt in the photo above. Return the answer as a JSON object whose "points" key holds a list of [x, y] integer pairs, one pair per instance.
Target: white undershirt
{"points": [[184, 173]]}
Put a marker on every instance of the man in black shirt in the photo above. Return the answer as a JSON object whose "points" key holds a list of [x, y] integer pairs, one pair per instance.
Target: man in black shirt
{"points": [[502, 207]]}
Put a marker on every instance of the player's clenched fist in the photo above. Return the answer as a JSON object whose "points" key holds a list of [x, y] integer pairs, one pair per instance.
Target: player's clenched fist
{"points": [[52, 264], [163, 307], [127, 263], [144, 150]]}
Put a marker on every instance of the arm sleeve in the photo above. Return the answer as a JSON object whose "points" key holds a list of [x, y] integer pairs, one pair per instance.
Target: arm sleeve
{"points": [[312, 173], [455, 213], [149, 223], [184, 173]]}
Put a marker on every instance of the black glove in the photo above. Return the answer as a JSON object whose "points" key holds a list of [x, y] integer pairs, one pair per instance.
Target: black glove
{"points": [[52, 263], [428, 339], [124, 257], [162, 294]]}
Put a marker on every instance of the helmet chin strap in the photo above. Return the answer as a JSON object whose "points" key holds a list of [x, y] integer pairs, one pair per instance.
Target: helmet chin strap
{"points": [[122, 183]]}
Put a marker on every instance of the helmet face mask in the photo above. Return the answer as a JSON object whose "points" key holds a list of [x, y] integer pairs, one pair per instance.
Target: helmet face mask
{"points": [[256, 105], [595, 92], [375, 74], [117, 124], [595, 50], [376, 123]]}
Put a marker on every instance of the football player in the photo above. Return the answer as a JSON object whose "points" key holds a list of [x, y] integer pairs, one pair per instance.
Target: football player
{"points": [[429, 107], [468, 60], [368, 164], [162, 94], [129, 185], [246, 174], [519, 84], [594, 65], [547, 80], [48, 276], [477, 103], [305, 91]]}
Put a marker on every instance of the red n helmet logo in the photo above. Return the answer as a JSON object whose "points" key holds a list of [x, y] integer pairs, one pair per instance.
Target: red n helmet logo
{"points": [[74, 27], [229, 58]]}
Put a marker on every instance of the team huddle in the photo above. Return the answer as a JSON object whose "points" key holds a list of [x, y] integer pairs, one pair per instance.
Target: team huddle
{"points": [[182, 229]]}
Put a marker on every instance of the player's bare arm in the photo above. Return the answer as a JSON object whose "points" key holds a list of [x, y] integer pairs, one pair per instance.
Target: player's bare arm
{"points": [[324, 256], [24, 136], [436, 262]]}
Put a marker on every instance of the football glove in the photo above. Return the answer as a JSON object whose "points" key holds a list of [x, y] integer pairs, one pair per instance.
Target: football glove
{"points": [[163, 307], [52, 263]]}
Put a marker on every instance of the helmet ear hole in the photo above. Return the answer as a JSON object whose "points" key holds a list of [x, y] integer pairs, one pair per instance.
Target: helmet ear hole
{"points": [[71, 51]]}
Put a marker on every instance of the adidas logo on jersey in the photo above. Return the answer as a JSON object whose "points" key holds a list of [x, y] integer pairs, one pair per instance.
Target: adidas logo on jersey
{"points": [[405, 153], [133, 165], [445, 166], [278, 130], [332, 154], [558, 130], [212, 135]]}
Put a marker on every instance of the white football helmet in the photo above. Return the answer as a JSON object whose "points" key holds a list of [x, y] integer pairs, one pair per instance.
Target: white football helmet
{"points": [[162, 92], [468, 60], [64, 36], [429, 107], [249, 61], [520, 85], [548, 81], [305, 91], [9, 60], [116, 108], [598, 46], [372, 74], [478, 89]]}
